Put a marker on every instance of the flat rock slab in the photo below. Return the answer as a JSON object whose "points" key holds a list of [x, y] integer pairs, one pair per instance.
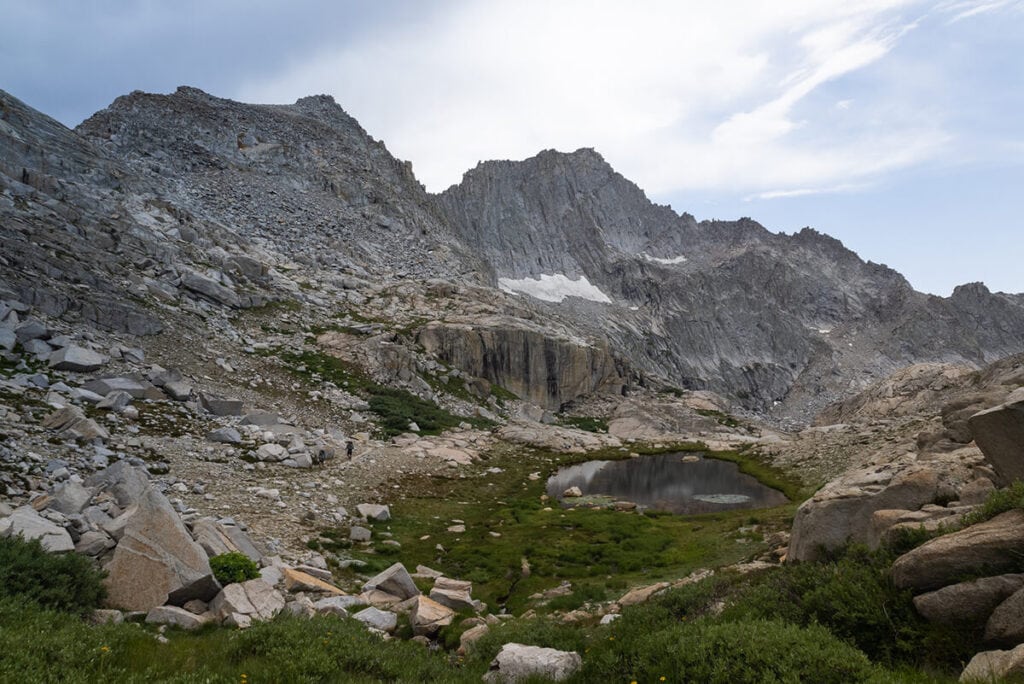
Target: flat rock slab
{"points": [[254, 598], [384, 620], [295, 580], [338, 605], [517, 662], [221, 406], [989, 548], [74, 358]]}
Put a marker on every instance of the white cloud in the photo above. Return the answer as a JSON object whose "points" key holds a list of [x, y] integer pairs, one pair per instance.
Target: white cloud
{"points": [[677, 96]]}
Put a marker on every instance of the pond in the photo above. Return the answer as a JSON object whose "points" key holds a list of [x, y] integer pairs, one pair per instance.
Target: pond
{"points": [[679, 483]]}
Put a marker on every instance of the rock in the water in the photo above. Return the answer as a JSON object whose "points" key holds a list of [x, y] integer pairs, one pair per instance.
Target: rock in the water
{"points": [[27, 523], [156, 561], [384, 620], [999, 432], [375, 512], [396, 581], [967, 603], [516, 662], [429, 616], [177, 617], [994, 666], [990, 547], [75, 358], [572, 492]]}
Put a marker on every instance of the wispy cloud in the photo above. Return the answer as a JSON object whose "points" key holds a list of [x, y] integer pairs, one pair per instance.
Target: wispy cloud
{"points": [[678, 96]]}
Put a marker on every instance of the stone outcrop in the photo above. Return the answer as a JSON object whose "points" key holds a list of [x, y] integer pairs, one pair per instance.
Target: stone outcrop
{"points": [[999, 432], [27, 523], [994, 666], [841, 512], [989, 548], [530, 363], [156, 561]]}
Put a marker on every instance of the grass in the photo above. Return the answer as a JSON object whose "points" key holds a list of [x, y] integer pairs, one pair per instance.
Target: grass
{"points": [[395, 407], [600, 551], [586, 423], [999, 501]]}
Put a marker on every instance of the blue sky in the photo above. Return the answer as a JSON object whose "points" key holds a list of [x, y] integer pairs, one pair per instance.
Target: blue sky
{"points": [[894, 125]]}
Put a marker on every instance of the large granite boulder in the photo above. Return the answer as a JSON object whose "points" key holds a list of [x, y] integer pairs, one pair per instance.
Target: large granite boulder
{"points": [[125, 482], [989, 548], [999, 432], [967, 603], [74, 358], [429, 616], [1006, 624], [518, 662], [841, 511], [216, 538], [156, 560]]}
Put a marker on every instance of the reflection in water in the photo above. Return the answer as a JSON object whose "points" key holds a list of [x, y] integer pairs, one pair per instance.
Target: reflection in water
{"points": [[667, 483]]}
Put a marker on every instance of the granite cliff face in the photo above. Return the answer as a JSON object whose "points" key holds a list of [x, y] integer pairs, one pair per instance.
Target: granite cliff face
{"points": [[783, 323]]}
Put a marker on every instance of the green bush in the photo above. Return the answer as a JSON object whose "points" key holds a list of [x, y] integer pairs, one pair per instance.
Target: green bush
{"points": [[233, 567], [753, 651], [999, 501], [855, 599], [66, 582]]}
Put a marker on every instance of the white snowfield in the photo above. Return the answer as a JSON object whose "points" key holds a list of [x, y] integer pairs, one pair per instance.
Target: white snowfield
{"points": [[674, 260], [554, 288]]}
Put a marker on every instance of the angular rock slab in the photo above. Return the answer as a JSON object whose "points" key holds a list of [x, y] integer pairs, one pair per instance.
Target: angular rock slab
{"points": [[375, 512], [74, 358], [125, 482], [988, 548], [254, 598], [429, 616], [999, 433], [967, 603], [217, 538], [396, 581], [156, 561], [294, 580], [28, 524], [516, 662]]}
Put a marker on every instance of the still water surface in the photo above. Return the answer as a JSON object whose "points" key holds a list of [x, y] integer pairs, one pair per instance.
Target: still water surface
{"points": [[667, 482]]}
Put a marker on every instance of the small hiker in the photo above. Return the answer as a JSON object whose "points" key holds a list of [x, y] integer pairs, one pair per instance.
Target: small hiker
{"points": [[349, 446]]}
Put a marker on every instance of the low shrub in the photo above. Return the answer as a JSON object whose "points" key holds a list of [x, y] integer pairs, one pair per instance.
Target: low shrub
{"points": [[65, 582], [999, 501], [737, 652], [233, 567]]}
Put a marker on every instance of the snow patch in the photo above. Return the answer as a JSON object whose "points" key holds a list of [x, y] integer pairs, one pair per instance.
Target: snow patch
{"points": [[554, 288], [668, 262]]}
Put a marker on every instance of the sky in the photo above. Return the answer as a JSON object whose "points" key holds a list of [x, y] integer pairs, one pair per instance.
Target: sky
{"points": [[893, 125]]}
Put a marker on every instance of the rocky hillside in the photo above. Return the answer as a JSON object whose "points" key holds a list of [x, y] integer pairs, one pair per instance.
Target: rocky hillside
{"points": [[785, 324]]}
